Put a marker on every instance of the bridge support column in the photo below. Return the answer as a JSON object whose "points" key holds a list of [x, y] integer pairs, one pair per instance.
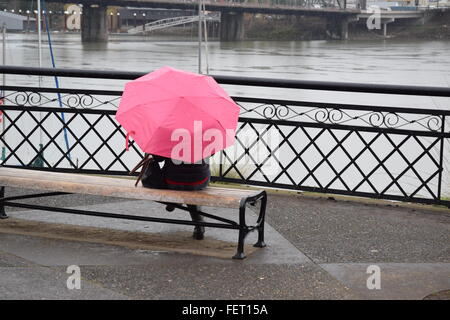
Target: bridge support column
{"points": [[385, 22], [94, 23], [337, 26], [344, 29], [231, 26]]}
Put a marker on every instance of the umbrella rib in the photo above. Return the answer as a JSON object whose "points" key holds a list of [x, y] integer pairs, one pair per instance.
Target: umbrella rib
{"points": [[176, 93], [207, 111], [146, 103], [164, 88], [159, 126]]}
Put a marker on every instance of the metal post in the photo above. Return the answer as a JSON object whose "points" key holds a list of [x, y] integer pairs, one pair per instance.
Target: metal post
{"points": [[145, 21], [28, 21], [4, 48], [3, 93], [206, 39], [39, 160], [199, 36], [441, 159], [3, 214], [39, 35], [111, 22]]}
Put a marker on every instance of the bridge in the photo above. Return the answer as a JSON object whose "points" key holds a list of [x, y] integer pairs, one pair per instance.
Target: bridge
{"points": [[387, 17], [232, 13], [303, 7], [336, 13]]}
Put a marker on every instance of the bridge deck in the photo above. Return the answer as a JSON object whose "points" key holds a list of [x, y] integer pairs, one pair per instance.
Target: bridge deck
{"points": [[217, 6]]}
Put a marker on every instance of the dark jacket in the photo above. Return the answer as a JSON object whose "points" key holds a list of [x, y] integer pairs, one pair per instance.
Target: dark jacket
{"points": [[181, 176]]}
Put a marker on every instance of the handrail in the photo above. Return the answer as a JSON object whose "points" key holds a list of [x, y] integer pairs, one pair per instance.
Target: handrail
{"points": [[244, 81], [171, 22], [291, 103], [413, 141]]}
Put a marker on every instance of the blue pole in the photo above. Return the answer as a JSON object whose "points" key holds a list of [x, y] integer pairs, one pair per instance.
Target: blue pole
{"points": [[66, 138], [3, 91]]}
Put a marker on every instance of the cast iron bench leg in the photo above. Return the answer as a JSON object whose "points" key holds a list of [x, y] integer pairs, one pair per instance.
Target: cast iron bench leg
{"points": [[261, 219], [243, 231], [199, 231], [3, 215]]}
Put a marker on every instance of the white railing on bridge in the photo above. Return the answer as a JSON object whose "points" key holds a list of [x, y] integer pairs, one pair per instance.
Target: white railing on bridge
{"points": [[170, 22]]}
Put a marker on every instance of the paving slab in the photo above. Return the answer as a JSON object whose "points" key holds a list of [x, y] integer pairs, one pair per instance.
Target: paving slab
{"points": [[335, 231], [37, 283], [318, 248], [397, 280], [278, 249], [10, 260], [211, 281], [56, 252], [112, 272]]}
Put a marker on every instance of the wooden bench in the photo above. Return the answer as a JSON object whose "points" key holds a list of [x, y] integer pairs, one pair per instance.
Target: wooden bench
{"points": [[68, 183]]}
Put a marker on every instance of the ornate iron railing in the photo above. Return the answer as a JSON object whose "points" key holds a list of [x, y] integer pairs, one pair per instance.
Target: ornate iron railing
{"points": [[360, 150]]}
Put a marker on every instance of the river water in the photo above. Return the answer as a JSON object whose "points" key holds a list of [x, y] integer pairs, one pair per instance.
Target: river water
{"points": [[382, 61]]}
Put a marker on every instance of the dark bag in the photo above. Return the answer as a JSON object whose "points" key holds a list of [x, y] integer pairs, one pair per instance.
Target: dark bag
{"points": [[151, 174]]}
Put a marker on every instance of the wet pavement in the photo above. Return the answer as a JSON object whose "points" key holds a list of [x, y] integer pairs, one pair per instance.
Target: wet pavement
{"points": [[318, 248]]}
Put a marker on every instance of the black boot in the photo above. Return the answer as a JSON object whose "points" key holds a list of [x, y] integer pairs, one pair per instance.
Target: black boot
{"points": [[199, 231]]}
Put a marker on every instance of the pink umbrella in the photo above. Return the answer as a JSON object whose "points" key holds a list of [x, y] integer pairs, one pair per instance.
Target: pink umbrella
{"points": [[178, 114]]}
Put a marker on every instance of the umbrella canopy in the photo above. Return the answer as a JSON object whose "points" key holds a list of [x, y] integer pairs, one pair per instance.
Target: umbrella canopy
{"points": [[178, 114]]}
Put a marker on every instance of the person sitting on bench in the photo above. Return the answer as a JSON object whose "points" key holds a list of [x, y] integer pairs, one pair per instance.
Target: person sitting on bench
{"points": [[178, 176], [175, 176]]}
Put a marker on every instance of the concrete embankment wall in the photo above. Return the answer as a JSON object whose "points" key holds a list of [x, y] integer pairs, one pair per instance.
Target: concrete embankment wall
{"points": [[435, 25]]}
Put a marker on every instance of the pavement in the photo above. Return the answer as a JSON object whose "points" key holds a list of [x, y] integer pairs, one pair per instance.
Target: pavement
{"points": [[318, 247]]}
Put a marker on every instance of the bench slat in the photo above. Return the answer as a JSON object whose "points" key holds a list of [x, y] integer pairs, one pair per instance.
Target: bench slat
{"points": [[119, 187]]}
